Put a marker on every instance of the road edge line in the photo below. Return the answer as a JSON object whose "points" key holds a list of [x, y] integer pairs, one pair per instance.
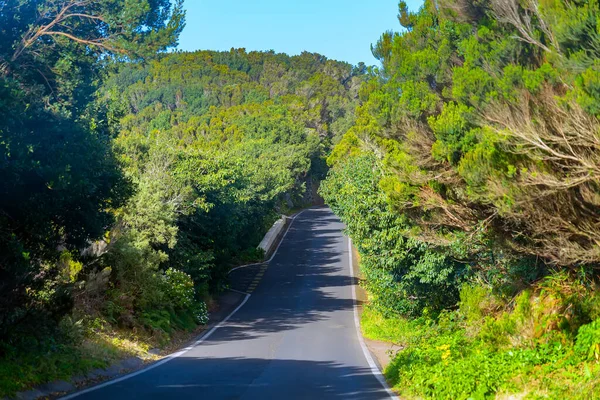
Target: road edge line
{"points": [[161, 362], [374, 368]]}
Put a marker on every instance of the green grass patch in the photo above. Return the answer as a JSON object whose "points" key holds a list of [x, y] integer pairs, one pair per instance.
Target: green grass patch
{"points": [[21, 370], [447, 364], [396, 330], [534, 347]]}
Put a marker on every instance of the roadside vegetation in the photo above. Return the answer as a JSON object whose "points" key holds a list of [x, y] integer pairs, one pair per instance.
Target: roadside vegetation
{"points": [[132, 179], [469, 187], [466, 168]]}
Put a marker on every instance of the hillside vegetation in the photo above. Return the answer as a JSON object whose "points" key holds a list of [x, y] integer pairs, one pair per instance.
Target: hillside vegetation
{"points": [[466, 168], [470, 186], [131, 179]]}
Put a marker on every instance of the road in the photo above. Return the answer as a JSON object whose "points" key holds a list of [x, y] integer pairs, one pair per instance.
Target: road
{"points": [[294, 338]]}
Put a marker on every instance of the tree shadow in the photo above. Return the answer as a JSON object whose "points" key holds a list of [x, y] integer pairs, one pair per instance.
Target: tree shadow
{"points": [[247, 378], [307, 281]]}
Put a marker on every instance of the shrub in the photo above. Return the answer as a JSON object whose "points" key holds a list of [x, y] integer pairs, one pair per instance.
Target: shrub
{"points": [[179, 289], [587, 344], [403, 274]]}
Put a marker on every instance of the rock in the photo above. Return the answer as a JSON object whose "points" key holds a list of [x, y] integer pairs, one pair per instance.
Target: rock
{"points": [[98, 373], [154, 352], [113, 370], [91, 375], [57, 387], [78, 379], [32, 394], [132, 363], [110, 372]]}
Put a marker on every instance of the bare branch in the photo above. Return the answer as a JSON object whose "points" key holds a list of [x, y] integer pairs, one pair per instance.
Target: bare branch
{"points": [[96, 42], [66, 12], [510, 11], [555, 195]]}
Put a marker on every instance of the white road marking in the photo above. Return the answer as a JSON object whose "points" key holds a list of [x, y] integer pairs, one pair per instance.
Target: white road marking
{"points": [[161, 362], [237, 291], [374, 369]]}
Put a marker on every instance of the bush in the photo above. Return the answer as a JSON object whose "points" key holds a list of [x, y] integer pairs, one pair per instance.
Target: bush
{"points": [[179, 289], [587, 344], [490, 346], [403, 275]]}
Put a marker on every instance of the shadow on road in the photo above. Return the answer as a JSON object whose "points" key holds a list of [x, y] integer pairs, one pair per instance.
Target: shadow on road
{"points": [[265, 379], [303, 283]]}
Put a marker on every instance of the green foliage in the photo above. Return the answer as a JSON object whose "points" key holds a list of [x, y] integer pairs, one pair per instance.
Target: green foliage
{"points": [[465, 169], [471, 168], [395, 329], [403, 275], [215, 143], [466, 130], [588, 93], [474, 302], [479, 352], [59, 181], [179, 288], [128, 188], [588, 341]]}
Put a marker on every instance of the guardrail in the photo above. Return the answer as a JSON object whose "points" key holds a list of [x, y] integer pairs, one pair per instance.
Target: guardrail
{"points": [[271, 239]]}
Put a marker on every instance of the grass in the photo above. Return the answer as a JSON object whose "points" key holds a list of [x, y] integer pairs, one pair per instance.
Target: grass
{"points": [[395, 330], [518, 352], [82, 343], [21, 371]]}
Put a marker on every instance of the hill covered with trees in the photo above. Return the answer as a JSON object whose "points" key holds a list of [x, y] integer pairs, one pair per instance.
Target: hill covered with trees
{"points": [[469, 184], [465, 167], [214, 143]]}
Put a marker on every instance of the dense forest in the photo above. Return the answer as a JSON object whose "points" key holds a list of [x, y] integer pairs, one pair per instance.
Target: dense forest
{"points": [[465, 166], [132, 179], [469, 184]]}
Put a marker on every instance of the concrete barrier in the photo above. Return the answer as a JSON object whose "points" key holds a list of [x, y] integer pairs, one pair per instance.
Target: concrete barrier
{"points": [[271, 239]]}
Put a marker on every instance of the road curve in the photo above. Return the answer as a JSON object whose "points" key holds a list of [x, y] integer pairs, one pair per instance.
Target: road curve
{"points": [[295, 337]]}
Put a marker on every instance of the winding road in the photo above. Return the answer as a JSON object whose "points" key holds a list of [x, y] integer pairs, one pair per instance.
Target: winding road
{"points": [[295, 337]]}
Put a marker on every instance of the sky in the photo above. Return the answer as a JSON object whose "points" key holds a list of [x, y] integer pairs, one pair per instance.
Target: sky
{"points": [[338, 29]]}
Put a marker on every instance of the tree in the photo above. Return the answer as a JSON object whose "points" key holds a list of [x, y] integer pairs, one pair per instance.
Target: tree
{"points": [[488, 145], [129, 28], [244, 134], [60, 183], [60, 45]]}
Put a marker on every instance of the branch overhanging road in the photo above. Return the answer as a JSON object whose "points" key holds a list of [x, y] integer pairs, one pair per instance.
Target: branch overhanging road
{"points": [[295, 338]]}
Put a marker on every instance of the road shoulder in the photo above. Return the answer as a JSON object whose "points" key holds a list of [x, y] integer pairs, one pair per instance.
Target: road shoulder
{"points": [[225, 304], [381, 351]]}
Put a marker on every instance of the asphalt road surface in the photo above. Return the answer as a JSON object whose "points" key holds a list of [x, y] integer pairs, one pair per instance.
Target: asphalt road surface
{"points": [[294, 338]]}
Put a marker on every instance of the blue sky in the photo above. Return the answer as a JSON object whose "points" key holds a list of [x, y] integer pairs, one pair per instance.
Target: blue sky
{"points": [[339, 29]]}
